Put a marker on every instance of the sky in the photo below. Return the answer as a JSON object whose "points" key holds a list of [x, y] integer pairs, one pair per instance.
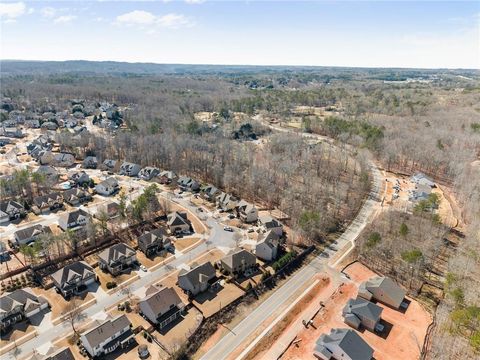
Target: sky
{"points": [[418, 34]]}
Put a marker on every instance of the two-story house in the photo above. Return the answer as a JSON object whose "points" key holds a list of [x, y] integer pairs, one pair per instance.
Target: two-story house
{"points": [[148, 173], [247, 212], [76, 196], [161, 305], [153, 242], [108, 336], [117, 258], [73, 278], [267, 246], [19, 305], [74, 220], [107, 187], [11, 210], [197, 279], [30, 234], [238, 262], [129, 169], [178, 222]]}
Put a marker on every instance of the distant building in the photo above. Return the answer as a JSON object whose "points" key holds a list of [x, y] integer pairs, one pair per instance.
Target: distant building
{"points": [[247, 212], [269, 223], [148, 173], [188, 184], [226, 202], [49, 202], [209, 192], [90, 162], [109, 165], [129, 169], [167, 177], [421, 179], [76, 196], [107, 187], [79, 177], [382, 289], [161, 305]]}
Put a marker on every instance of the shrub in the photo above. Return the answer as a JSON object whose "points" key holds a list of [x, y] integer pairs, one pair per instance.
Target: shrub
{"points": [[111, 284]]}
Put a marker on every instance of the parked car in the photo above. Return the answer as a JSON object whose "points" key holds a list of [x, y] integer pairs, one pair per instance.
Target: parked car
{"points": [[143, 268], [228, 228]]}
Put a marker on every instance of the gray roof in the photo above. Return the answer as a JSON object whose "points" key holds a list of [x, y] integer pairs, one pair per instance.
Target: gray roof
{"points": [[77, 269], [151, 236], [349, 341], [363, 309], [160, 299], [73, 216], [60, 354], [106, 330], [40, 201], [270, 238], [115, 252], [269, 222], [10, 205], [23, 297], [395, 292], [199, 273], [31, 231], [75, 193], [111, 181], [110, 163], [239, 256], [178, 218]]}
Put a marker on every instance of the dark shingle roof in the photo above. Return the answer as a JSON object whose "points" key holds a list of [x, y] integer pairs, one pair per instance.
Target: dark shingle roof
{"points": [[106, 330]]}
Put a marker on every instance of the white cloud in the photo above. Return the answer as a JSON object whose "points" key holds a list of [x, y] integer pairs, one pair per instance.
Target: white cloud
{"points": [[12, 10], [64, 19], [48, 12], [136, 17], [174, 21], [195, 1], [142, 18]]}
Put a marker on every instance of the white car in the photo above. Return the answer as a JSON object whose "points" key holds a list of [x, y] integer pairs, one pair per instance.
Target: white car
{"points": [[228, 228], [143, 268]]}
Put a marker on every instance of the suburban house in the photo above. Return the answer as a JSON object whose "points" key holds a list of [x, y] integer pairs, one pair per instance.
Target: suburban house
{"points": [[30, 234], [344, 344], [247, 212], [63, 353], [49, 125], [188, 184], [167, 177], [11, 132], [32, 124], [49, 172], [70, 279], [111, 209], [226, 202], [267, 246], [11, 210], [108, 336], [49, 202], [197, 279], [178, 222], [129, 169], [422, 179], [148, 173], [73, 220], [76, 196], [109, 165], [79, 177], [56, 159], [19, 305], [90, 162], [107, 187], [117, 258], [384, 290], [270, 223], [153, 242], [238, 261], [4, 141], [161, 305], [421, 192], [209, 192], [360, 312]]}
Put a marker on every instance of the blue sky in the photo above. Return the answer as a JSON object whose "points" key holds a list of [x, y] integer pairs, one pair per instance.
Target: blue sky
{"points": [[330, 33]]}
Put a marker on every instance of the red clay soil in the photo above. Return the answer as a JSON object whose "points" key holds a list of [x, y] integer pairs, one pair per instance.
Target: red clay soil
{"points": [[404, 341]]}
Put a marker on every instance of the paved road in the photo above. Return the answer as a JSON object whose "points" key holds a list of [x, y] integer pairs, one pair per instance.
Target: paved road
{"points": [[245, 329], [217, 238]]}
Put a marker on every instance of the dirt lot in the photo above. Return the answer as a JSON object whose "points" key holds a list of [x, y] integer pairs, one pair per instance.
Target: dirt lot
{"points": [[403, 341], [212, 301], [149, 262], [178, 332], [107, 277], [184, 243], [57, 302]]}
